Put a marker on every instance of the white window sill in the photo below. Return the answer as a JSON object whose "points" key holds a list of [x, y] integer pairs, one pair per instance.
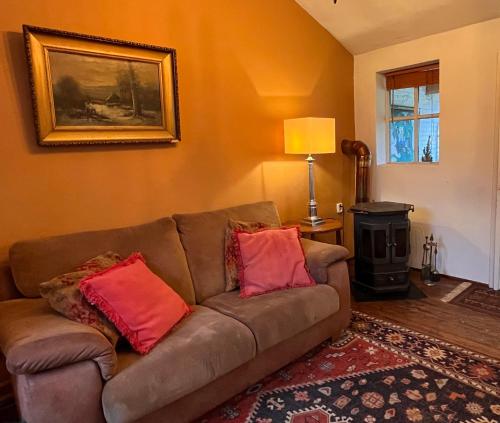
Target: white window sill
{"points": [[408, 164]]}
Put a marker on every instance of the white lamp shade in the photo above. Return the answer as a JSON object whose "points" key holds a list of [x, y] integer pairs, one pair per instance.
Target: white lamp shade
{"points": [[310, 135]]}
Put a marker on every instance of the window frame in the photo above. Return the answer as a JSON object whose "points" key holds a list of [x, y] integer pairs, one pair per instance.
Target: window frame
{"points": [[416, 127]]}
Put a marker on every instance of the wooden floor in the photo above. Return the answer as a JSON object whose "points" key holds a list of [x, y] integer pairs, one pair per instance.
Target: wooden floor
{"points": [[459, 325]]}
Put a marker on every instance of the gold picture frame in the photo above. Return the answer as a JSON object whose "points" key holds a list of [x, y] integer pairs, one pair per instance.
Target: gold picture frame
{"points": [[95, 90]]}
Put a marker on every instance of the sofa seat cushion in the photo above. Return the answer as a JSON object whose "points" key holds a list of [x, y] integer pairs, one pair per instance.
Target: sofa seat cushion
{"points": [[279, 315], [201, 348]]}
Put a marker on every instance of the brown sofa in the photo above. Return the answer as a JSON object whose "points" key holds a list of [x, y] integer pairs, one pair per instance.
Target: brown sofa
{"points": [[63, 371]]}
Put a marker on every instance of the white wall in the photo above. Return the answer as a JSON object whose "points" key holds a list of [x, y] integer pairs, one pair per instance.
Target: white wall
{"points": [[453, 199]]}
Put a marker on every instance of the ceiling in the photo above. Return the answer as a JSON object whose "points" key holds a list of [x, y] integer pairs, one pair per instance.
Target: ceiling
{"points": [[365, 25]]}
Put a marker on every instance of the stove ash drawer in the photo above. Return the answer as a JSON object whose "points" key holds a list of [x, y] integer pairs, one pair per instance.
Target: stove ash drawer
{"points": [[388, 279]]}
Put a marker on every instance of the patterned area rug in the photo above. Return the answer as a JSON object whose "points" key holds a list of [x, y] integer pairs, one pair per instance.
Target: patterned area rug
{"points": [[476, 296], [378, 372]]}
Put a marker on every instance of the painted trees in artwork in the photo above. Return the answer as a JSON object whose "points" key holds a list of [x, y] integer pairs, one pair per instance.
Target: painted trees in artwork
{"points": [[130, 89], [68, 94], [135, 94], [135, 91]]}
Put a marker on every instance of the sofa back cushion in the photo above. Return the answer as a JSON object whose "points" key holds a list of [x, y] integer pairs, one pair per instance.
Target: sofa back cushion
{"points": [[36, 261], [203, 235]]}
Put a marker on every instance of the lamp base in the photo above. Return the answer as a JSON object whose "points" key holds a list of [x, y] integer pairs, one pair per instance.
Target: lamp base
{"points": [[312, 221]]}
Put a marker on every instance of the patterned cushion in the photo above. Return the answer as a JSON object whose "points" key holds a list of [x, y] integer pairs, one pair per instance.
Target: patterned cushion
{"points": [[231, 253], [64, 295]]}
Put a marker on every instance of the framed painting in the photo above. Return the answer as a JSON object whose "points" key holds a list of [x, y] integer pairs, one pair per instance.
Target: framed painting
{"points": [[94, 90]]}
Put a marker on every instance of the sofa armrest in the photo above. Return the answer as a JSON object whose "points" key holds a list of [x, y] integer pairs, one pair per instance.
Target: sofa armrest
{"points": [[34, 338], [338, 278], [319, 256]]}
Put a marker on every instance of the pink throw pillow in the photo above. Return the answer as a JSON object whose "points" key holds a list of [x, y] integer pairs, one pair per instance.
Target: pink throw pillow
{"points": [[140, 304], [271, 259]]}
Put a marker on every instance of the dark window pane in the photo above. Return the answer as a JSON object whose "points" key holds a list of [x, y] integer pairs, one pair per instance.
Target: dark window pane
{"points": [[428, 140], [401, 242], [366, 242], [402, 102], [428, 99], [401, 141], [380, 244]]}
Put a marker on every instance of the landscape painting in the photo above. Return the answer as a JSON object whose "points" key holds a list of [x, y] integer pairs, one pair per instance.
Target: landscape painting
{"points": [[88, 89], [93, 90]]}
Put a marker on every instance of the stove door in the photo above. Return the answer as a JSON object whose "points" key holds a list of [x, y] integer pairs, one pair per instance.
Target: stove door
{"points": [[400, 241], [374, 242]]}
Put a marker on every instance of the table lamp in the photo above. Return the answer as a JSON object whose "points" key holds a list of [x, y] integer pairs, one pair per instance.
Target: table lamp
{"points": [[309, 136]]}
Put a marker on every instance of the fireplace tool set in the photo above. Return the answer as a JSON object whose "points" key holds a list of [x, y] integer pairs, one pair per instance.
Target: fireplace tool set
{"points": [[429, 273]]}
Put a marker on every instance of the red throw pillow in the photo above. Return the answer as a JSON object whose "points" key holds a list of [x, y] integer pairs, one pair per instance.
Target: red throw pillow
{"points": [[141, 305], [271, 259]]}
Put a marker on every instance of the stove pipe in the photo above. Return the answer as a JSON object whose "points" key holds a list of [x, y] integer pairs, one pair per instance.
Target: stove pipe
{"points": [[363, 159]]}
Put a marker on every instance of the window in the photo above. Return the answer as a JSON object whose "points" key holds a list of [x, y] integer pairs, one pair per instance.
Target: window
{"points": [[412, 114]]}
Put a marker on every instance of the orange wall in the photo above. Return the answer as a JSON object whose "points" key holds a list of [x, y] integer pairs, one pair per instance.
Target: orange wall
{"points": [[243, 67]]}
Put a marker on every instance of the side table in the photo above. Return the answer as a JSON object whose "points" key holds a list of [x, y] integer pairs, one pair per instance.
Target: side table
{"points": [[330, 225]]}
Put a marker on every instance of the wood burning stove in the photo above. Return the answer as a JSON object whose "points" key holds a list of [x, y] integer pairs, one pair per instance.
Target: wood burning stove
{"points": [[382, 246]]}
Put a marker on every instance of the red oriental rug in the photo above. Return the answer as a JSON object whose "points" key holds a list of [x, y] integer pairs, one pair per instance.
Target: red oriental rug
{"points": [[378, 372]]}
